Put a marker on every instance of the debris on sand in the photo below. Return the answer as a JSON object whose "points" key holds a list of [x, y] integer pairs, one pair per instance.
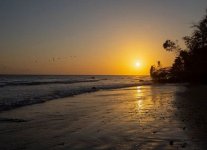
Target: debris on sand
{"points": [[12, 120], [184, 145], [94, 88], [171, 142]]}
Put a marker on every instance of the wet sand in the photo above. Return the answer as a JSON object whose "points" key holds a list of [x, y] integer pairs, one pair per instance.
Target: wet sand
{"points": [[143, 117]]}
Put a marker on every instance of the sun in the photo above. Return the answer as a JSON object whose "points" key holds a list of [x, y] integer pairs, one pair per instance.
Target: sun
{"points": [[137, 64]]}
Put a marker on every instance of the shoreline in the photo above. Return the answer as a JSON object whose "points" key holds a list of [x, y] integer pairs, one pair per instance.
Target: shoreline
{"points": [[6, 107], [142, 117]]}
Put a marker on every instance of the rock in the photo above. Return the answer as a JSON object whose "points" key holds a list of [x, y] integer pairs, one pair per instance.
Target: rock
{"points": [[62, 143], [94, 88], [171, 142], [184, 145], [12, 120]]}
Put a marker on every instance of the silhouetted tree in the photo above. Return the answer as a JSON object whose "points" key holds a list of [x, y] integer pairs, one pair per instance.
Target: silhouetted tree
{"points": [[152, 70], [158, 64], [190, 64], [170, 46], [198, 39]]}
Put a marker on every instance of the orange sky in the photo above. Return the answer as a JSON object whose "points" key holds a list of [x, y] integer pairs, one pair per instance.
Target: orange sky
{"points": [[91, 37]]}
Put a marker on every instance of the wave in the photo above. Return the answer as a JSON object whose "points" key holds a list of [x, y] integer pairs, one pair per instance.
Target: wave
{"points": [[25, 83], [14, 102]]}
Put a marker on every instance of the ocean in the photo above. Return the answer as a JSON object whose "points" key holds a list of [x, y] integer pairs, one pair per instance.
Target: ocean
{"points": [[21, 90]]}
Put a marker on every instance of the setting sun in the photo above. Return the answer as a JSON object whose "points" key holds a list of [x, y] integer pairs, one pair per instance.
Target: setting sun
{"points": [[113, 74], [137, 64]]}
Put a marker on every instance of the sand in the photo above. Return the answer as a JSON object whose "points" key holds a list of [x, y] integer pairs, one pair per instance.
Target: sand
{"points": [[143, 117]]}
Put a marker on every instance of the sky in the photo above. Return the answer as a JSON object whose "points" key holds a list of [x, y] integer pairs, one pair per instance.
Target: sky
{"points": [[92, 37]]}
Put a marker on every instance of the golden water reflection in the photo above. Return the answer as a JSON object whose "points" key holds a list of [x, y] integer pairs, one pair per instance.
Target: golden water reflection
{"points": [[149, 105]]}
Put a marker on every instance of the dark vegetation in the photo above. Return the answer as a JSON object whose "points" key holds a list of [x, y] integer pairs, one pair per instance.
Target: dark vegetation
{"points": [[190, 64]]}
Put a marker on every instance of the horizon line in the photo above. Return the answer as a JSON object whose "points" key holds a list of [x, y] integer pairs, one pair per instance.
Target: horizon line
{"points": [[72, 75]]}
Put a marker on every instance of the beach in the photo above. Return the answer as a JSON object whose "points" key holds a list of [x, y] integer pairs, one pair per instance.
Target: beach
{"points": [[139, 117], [103, 75]]}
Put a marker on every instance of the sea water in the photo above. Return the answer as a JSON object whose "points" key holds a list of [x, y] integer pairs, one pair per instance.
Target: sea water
{"points": [[20, 90]]}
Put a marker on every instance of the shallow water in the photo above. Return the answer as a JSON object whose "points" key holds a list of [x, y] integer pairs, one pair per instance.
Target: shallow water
{"points": [[141, 117], [21, 90]]}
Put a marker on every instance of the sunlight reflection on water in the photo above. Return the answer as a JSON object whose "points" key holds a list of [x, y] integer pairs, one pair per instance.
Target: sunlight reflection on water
{"points": [[132, 118]]}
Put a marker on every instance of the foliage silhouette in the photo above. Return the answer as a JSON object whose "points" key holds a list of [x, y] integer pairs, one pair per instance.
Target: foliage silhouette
{"points": [[190, 64]]}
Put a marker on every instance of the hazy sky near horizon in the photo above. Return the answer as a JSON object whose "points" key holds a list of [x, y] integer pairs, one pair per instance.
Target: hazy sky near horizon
{"points": [[91, 36]]}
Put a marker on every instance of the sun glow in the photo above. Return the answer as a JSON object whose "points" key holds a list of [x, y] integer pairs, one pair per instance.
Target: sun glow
{"points": [[137, 64]]}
